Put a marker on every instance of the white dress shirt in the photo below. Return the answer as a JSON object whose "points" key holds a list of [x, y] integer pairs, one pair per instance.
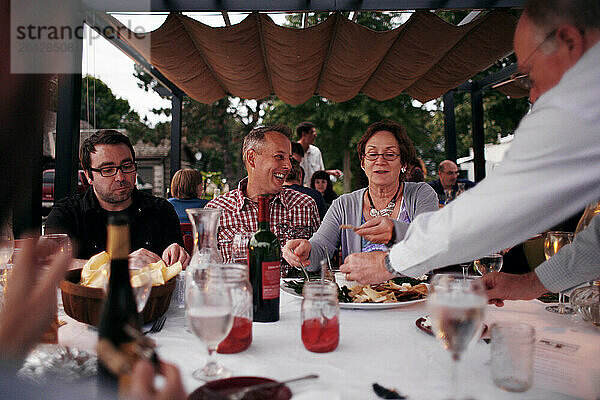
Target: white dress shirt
{"points": [[550, 172], [312, 162]]}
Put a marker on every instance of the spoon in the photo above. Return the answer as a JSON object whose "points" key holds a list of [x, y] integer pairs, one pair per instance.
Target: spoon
{"points": [[242, 392]]}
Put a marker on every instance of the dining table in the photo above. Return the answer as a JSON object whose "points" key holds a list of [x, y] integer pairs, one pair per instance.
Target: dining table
{"points": [[384, 345]]}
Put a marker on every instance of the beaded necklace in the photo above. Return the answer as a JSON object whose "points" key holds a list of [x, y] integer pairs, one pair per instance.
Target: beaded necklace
{"points": [[388, 210]]}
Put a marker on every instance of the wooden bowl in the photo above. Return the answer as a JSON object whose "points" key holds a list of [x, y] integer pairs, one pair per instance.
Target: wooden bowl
{"points": [[85, 303]]}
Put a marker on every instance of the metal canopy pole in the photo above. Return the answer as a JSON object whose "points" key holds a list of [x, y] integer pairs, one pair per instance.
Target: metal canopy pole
{"points": [[478, 134], [176, 105], [67, 135], [449, 126], [67, 128]]}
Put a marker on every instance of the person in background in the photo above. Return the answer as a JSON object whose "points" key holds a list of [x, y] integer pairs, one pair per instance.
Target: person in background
{"points": [[267, 155], [448, 180], [548, 174], [298, 153], [294, 181], [313, 160], [186, 189], [384, 152], [108, 160], [320, 181]]}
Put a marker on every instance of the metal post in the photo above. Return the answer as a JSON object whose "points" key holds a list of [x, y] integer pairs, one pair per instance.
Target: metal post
{"points": [[449, 126], [67, 127], [478, 134], [67, 135], [176, 101]]}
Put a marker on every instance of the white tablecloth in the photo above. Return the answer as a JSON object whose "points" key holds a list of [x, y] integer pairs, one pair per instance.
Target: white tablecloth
{"points": [[385, 346]]}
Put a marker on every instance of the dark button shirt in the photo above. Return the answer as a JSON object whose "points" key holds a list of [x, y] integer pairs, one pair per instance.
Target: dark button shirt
{"points": [[153, 222], [439, 189]]}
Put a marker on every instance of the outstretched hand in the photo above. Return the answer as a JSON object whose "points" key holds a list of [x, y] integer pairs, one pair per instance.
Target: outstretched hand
{"points": [[377, 230], [142, 382], [501, 286], [366, 268], [296, 252]]}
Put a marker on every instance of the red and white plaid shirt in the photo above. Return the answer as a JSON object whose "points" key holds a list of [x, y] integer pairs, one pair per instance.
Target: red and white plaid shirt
{"points": [[292, 215]]}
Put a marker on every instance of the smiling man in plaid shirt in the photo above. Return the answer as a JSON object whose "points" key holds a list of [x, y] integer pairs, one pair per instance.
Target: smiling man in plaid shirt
{"points": [[292, 215]]}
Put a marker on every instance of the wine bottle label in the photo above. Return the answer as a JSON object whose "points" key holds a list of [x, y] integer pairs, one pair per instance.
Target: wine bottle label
{"points": [[271, 273]]}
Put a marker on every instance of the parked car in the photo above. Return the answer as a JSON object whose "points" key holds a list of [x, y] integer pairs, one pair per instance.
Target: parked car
{"points": [[48, 187]]}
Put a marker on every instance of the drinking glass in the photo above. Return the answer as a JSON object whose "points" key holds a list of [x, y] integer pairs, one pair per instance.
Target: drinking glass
{"points": [[465, 269], [55, 243], [141, 283], [239, 248], [210, 316], [553, 242], [487, 264], [457, 308], [512, 355], [320, 316]]}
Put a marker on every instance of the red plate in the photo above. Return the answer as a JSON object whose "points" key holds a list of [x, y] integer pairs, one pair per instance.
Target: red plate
{"points": [[229, 385], [427, 329]]}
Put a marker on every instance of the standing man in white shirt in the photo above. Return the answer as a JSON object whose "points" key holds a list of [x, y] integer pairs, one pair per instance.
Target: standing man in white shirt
{"points": [[549, 173], [313, 160]]}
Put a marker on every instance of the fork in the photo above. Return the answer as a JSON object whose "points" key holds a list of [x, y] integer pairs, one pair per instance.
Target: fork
{"points": [[157, 325], [239, 395]]}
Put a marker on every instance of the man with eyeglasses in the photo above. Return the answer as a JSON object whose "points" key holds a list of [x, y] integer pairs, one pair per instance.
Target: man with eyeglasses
{"points": [[549, 173], [108, 159], [448, 181]]}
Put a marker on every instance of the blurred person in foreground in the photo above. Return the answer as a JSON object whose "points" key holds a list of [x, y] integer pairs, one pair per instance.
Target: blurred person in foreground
{"points": [[30, 301], [186, 189], [312, 160], [266, 153], [294, 181], [108, 160], [384, 152], [320, 182], [549, 173]]}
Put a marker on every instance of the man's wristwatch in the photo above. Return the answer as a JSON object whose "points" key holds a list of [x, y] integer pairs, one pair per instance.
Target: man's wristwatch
{"points": [[388, 265]]}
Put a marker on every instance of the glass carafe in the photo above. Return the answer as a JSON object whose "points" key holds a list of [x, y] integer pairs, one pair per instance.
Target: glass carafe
{"points": [[204, 234]]}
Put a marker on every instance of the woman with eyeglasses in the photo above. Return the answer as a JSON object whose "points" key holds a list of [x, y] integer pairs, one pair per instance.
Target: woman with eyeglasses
{"points": [[361, 221]]}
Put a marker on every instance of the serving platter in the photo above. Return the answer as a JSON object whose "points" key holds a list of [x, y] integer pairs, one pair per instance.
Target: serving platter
{"points": [[358, 306]]}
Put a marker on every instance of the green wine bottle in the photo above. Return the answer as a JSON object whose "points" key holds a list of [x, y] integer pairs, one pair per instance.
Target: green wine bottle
{"points": [[264, 260], [119, 307]]}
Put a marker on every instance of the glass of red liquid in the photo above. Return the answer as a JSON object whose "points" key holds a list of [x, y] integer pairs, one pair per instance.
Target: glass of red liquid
{"points": [[320, 316], [235, 277]]}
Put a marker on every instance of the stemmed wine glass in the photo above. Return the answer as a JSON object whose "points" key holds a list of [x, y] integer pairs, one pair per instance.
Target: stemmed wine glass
{"points": [[457, 307], [141, 283], [7, 247], [465, 269], [553, 242], [487, 264], [210, 316]]}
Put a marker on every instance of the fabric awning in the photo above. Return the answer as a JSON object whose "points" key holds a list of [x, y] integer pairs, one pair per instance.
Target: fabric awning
{"points": [[336, 59]]}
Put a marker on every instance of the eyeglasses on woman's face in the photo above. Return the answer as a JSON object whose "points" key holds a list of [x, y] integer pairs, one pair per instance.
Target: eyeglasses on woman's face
{"points": [[388, 156]]}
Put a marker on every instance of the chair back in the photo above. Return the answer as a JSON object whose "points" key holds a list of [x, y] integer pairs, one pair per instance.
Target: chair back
{"points": [[188, 238]]}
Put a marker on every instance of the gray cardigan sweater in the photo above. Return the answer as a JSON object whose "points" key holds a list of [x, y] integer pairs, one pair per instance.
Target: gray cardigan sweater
{"points": [[347, 209]]}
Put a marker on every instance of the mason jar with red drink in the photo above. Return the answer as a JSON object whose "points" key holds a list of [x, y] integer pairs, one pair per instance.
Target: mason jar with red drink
{"points": [[236, 280], [320, 316]]}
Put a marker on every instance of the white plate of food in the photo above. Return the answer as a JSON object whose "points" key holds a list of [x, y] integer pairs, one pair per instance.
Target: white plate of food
{"points": [[374, 297]]}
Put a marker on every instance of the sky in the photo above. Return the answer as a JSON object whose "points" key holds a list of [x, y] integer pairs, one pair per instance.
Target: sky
{"points": [[104, 61]]}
